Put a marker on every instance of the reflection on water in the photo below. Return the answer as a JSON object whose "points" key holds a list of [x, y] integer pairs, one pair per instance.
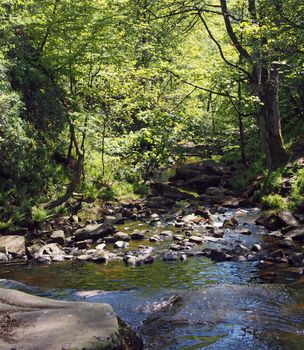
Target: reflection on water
{"points": [[189, 305], [219, 306]]}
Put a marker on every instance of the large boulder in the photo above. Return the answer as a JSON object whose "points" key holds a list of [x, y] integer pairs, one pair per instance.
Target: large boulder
{"points": [[296, 234], [208, 167], [94, 232], [202, 182], [276, 221], [14, 245], [171, 192], [29, 322]]}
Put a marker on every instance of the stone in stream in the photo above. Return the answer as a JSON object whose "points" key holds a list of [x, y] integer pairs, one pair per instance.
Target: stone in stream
{"points": [[137, 235], [121, 244], [14, 245], [53, 250], [36, 249], [3, 257], [275, 221], [57, 237], [122, 236], [178, 237], [196, 239], [171, 192], [166, 233], [245, 231], [296, 234], [219, 255], [202, 182], [296, 259], [82, 245], [154, 239], [39, 323], [230, 223], [170, 256], [256, 247], [94, 231], [175, 247], [241, 249], [160, 202]]}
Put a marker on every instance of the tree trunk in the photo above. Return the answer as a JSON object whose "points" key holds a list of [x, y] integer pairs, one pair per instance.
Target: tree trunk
{"points": [[266, 88], [71, 188]]}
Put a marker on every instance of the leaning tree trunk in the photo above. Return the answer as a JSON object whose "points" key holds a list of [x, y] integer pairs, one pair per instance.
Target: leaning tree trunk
{"points": [[77, 174], [266, 88]]}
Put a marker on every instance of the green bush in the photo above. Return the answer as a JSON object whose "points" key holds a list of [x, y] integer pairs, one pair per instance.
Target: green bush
{"points": [[39, 214], [274, 201]]}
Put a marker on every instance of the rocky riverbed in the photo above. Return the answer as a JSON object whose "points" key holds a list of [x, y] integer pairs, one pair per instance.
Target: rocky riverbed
{"points": [[186, 224]]}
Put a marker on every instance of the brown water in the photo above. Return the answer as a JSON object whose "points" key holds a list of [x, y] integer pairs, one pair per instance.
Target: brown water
{"points": [[195, 304]]}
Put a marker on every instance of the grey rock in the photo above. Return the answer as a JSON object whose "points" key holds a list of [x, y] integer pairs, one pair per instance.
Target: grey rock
{"points": [[170, 256], [58, 237], [256, 247], [94, 231], [14, 245], [121, 244], [40, 323], [196, 239]]}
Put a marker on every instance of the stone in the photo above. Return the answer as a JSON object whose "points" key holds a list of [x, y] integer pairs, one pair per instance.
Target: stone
{"points": [[3, 257], [240, 249], [196, 239], [82, 245], [133, 261], [171, 192], [160, 202], [275, 221], [215, 191], [121, 244], [53, 250], [202, 182], [137, 236], [183, 257], [219, 255], [178, 238], [14, 245], [205, 214], [278, 254], [100, 246], [256, 247], [239, 258], [296, 259], [40, 323], [170, 256], [100, 256], [57, 237], [175, 247], [245, 231], [296, 234], [84, 257], [166, 233], [231, 222], [36, 249], [153, 239], [94, 231], [122, 236]]}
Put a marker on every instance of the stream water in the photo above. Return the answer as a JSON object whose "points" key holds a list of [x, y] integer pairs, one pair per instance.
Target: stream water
{"points": [[196, 304]]}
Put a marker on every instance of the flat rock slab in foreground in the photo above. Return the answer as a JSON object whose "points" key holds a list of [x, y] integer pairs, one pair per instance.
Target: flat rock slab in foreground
{"points": [[33, 323]]}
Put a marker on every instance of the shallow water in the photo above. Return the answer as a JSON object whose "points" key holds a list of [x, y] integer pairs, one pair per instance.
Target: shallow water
{"points": [[195, 304]]}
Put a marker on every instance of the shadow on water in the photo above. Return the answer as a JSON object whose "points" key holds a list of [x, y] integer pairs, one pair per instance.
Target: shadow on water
{"points": [[192, 305]]}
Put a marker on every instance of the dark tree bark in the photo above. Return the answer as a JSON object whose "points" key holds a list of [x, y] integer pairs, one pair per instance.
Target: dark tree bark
{"points": [[264, 82], [266, 87]]}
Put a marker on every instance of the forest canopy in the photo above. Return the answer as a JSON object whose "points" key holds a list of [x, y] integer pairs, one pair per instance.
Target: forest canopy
{"points": [[96, 96]]}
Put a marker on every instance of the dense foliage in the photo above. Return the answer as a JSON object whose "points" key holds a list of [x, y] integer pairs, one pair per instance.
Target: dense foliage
{"points": [[95, 96]]}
